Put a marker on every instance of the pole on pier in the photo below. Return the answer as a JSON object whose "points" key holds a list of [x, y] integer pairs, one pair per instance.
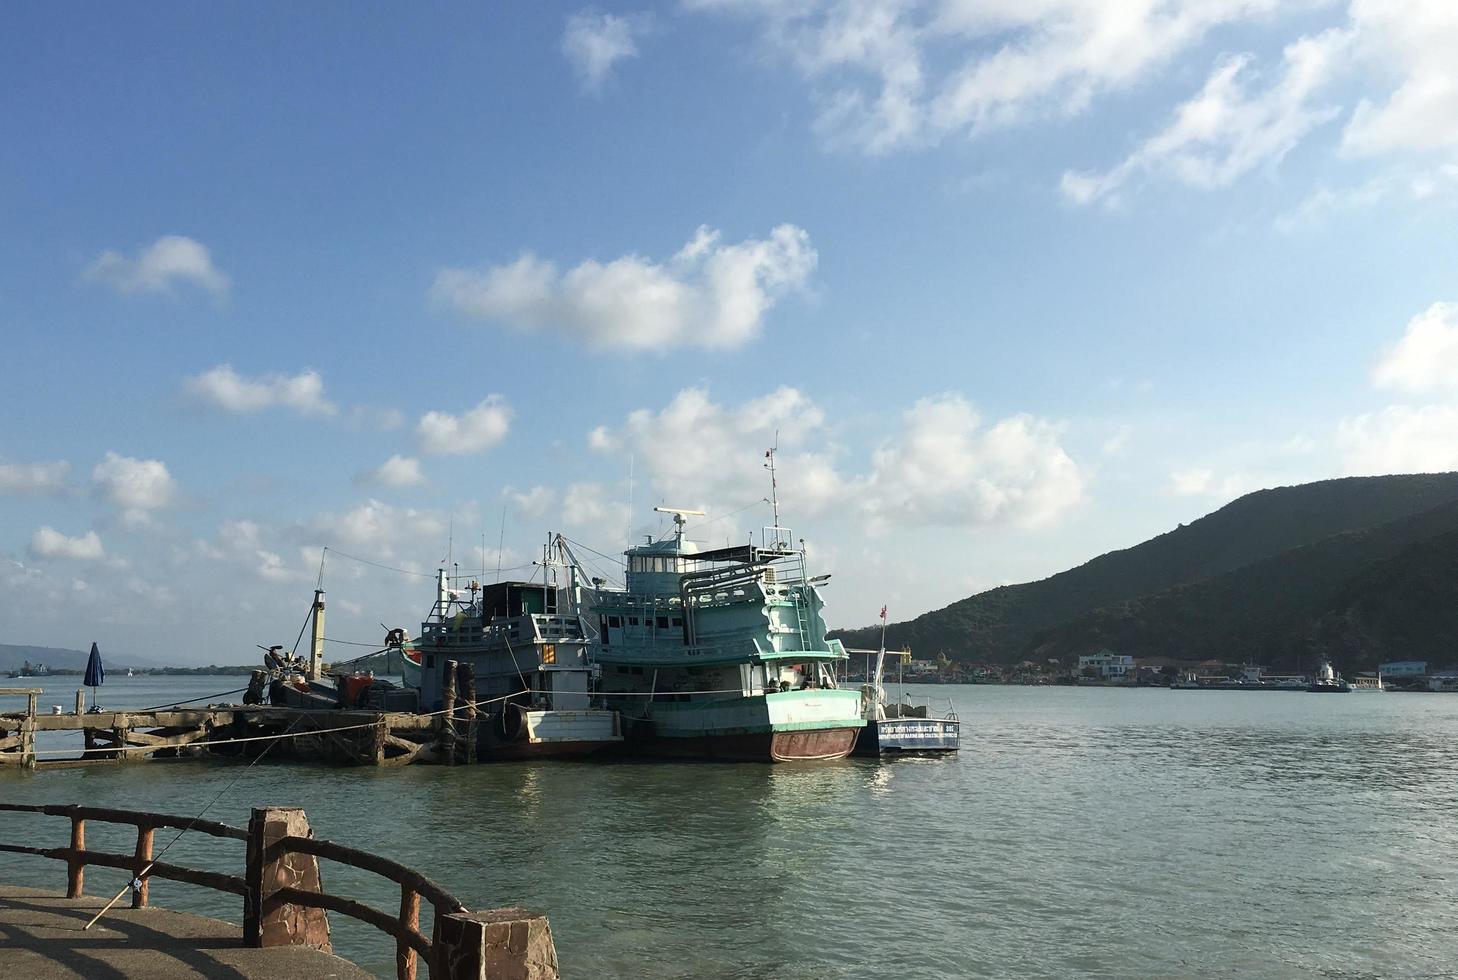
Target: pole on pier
{"points": [[448, 712], [466, 676], [316, 638]]}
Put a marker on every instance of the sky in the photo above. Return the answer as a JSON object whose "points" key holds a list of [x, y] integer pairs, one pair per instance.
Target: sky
{"points": [[1007, 284]]}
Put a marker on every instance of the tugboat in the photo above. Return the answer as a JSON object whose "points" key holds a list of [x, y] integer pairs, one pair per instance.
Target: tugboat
{"points": [[1328, 681], [901, 728], [722, 654]]}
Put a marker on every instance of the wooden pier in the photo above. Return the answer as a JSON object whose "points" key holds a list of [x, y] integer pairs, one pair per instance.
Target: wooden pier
{"points": [[283, 904], [334, 737]]}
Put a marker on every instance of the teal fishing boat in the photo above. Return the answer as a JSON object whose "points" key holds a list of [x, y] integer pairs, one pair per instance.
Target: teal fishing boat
{"points": [[722, 653]]}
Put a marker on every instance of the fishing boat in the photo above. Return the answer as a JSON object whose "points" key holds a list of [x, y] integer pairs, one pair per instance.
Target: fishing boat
{"points": [[1328, 681], [901, 728], [722, 653], [532, 664]]}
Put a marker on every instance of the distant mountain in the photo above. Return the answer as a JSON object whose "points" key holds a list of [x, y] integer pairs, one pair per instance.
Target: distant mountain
{"points": [[1053, 616], [1383, 593], [11, 658]]}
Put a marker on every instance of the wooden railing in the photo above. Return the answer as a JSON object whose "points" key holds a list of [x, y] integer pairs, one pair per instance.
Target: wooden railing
{"points": [[284, 903]]}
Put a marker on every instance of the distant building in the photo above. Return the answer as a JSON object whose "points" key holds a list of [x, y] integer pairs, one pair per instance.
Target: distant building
{"points": [[1403, 668], [1107, 666]]}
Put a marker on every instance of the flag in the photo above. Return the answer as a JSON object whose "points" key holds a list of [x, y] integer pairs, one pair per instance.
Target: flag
{"points": [[883, 612]]}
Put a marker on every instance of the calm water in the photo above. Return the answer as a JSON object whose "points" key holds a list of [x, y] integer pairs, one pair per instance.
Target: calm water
{"points": [[1081, 832]]}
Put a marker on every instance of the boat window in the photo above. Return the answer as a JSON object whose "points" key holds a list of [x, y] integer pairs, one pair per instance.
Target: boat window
{"points": [[663, 622], [678, 620], [430, 660], [616, 622], [638, 671], [603, 621], [632, 620]]}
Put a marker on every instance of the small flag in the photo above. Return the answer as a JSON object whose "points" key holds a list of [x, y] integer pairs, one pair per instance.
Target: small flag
{"points": [[883, 612]]}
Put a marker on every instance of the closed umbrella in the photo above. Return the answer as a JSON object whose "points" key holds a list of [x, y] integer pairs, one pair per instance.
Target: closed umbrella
{"points": [[95, 673]]}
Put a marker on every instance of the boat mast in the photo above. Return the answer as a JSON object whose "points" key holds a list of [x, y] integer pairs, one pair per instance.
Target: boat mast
{"points": [[769, 454]]}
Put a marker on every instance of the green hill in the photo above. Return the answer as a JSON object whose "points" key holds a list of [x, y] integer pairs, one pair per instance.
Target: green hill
{"points": [[57, 658], [1052, 616], [1382, 593]]}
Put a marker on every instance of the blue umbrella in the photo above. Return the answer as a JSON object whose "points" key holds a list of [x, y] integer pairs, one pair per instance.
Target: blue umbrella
{"points": [[95, 673]]}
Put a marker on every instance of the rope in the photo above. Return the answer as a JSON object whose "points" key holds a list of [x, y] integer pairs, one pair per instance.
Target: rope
{"points": [[375, 564], [205, 697]]}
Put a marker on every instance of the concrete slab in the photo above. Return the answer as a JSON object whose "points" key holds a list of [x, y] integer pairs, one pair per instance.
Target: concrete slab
{"points": [[41, 939]]}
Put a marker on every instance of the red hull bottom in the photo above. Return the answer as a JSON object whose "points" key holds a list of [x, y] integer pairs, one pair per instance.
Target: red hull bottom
{"points": [[813, 745]]}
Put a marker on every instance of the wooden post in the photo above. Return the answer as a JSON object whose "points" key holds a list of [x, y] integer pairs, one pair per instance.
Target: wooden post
{"points": [[75, 862], [27, 741], [271, 866], [467, 677], [141, 858], [80, 700], [410, 919], [501, 944], [448, 712]]}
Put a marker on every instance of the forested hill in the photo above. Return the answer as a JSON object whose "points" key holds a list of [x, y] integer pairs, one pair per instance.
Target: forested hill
{"points": [[1384, 593], [1012, 622]]}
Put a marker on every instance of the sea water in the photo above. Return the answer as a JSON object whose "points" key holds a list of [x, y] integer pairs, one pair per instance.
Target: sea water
{"points": [[1080, 832]]}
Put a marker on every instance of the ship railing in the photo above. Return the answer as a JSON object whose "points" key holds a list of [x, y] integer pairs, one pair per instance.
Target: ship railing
{"points": [[270, 880]]}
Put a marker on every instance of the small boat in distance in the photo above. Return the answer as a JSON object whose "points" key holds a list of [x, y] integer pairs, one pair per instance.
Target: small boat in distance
{"points": [[1328, 681]]}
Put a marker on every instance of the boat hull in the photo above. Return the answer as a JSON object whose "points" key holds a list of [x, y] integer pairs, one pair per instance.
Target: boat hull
{"points": [[790, 726], [549, 735], [805, 745], [908, 736]]}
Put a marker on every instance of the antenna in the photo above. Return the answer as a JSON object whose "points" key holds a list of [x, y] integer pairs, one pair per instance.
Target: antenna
{"points": [[500, 544], [769, 454], [630, 500]]}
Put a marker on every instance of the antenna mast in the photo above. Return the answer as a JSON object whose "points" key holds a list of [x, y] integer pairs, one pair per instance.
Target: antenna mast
{"points": [[769, 454]]}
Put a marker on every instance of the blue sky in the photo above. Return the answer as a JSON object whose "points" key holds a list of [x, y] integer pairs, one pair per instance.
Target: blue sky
{"points": [[1016, 283]]}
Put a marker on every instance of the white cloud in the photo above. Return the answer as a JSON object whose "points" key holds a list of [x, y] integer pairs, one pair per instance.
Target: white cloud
{"points": [[397, 471], [378, 530], [169, 261], [696, 451], [530, 503], [594, 43], [893, 75], [1426, 358], [33, 478], [47, 542], [707, 295], [945, 469], [137, 486], [441, 433], [588, 505], [1225, 131], [233, 392], [1191, 482], [1400, 439], [1117, 444], [1415, 40]]}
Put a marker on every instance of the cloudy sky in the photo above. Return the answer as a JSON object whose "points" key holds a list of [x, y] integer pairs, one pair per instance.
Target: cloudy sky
{"points": [[1015, 283]]}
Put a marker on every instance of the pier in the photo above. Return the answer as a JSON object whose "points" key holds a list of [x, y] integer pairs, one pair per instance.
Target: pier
{"points": [[284, 908], [335, 737]]}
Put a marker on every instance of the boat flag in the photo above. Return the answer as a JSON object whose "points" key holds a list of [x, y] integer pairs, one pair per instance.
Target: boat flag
{"points": [[883, 612]]}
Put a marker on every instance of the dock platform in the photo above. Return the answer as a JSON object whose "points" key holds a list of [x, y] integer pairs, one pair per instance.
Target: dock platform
{"points": [[41, 939]]}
